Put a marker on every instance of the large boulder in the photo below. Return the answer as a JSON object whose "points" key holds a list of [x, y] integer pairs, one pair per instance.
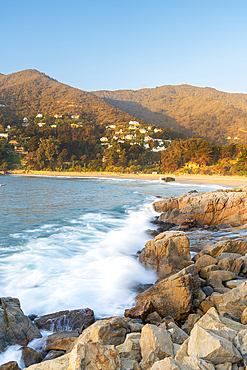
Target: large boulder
{"points": [[107, 332], [15, 327], [210, 347], [167, 252], [233, 302], [226, 245], [66, 320], [61, 340], [214, 208], [131, 347], [88, 356], [172, 296]]}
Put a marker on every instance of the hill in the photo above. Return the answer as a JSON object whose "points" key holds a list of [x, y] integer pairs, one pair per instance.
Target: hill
{"points": [[30, 92], [212, 114]]}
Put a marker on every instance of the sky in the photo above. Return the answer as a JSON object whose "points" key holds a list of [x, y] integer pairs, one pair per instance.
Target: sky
{"points": [[128, 44]]}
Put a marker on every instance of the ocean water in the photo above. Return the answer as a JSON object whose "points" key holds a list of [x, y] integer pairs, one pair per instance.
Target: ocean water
{"points": [[68, 243]]}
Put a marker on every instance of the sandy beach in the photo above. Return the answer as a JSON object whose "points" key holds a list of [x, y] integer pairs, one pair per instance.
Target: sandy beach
{"points": [[231, 181]]}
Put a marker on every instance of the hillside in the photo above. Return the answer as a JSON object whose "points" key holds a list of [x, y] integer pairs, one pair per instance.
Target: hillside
{"points": [[206, 112], [30, 92]]}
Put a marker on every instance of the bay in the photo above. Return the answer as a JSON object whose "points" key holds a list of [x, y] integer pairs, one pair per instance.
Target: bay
{"points": [[68, 242]]}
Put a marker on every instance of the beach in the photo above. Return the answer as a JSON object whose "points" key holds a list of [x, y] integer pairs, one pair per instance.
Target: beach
{"points": [[231, 181]]}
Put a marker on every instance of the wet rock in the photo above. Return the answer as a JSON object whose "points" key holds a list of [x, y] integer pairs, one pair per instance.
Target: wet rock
{"points": [[210, 347], [15, 327], [60, 340], [166, 252], [66, 320], [172, 296], [142, 287], [11, 365], [29, 356]]}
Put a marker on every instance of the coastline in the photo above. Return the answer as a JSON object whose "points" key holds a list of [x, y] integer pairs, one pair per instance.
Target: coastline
{"points": [[231, 181]]}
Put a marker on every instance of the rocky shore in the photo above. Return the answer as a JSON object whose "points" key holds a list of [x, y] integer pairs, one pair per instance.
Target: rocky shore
{"points": [[193, 317]]}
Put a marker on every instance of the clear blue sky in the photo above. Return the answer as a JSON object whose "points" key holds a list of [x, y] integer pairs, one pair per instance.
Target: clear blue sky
{"points": [[128, 44]]}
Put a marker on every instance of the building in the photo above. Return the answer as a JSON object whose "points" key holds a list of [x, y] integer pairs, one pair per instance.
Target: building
{"points": [[39, 115], [5, 136], [103, 139]]}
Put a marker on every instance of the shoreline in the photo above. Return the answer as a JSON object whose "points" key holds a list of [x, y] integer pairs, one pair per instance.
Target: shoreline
{"points": [[231, 181]]}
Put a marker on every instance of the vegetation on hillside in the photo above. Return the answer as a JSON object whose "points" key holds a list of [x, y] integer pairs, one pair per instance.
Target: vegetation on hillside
{"points": [[214, 115]]}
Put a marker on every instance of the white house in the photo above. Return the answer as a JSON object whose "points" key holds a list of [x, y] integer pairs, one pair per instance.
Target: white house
{"points": [[157, 130], [25, 120], [39, 115], [147, 138], [142, 131], [129, 137], [41, 124], [104, 139], [4, 135], [134, 123]]}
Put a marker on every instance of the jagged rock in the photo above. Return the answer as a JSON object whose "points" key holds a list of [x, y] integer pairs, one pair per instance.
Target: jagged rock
{"points": [[219, 325], [192, 319], [141, 311], [167, 252], [215, 278], [11, 365], [183, 351], [108, 332], [225, 366], [60, 340], [240, 342], [214, 208], [178, 335], [155, 339], [232, 264], [154, 318], [66, 320], [226, 245], [128, 364], [201, 295], [134, 324], [131, 347], [150, 359], [15, 327], [176, 347], [88, 356], [169, 364], [195, 363], [204, 261], [29, 356], [208, 346], [172, 296], [232, 302], [51, 355]]}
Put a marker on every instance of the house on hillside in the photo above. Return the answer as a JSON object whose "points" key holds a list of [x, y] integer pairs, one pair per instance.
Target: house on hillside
{"points": [[191, 165], [41, 124], [134, 123], [103, 139], [39, 115], [5, 136]]}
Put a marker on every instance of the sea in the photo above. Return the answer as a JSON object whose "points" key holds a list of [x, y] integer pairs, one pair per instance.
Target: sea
{"points": [[72, 242]]}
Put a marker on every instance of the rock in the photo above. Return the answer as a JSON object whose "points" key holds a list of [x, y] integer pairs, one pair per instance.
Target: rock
{"points": [[232, 302], [183, 351], [131, 347], [225, 366], [195, 363], [51, 355], [201, 295], [204, 261], [244, 317], [88, 356], [231, 264], [61, 340], [167, 252], [29, 356], [11, 365], [240, 342], [178, 335], [207, 269], [213, 208], [172, 296], [157, 340], [142, 311], [66, 320], [219, 325], [149, 360], [169, 364], [215, 278], [210, 347], [226, 245], [135, 325], [208, 290], [176, 347], [192, 319], [128, 364], [106, 332], [15, 327], [206, 305], [154, 318], [235, 283]]}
